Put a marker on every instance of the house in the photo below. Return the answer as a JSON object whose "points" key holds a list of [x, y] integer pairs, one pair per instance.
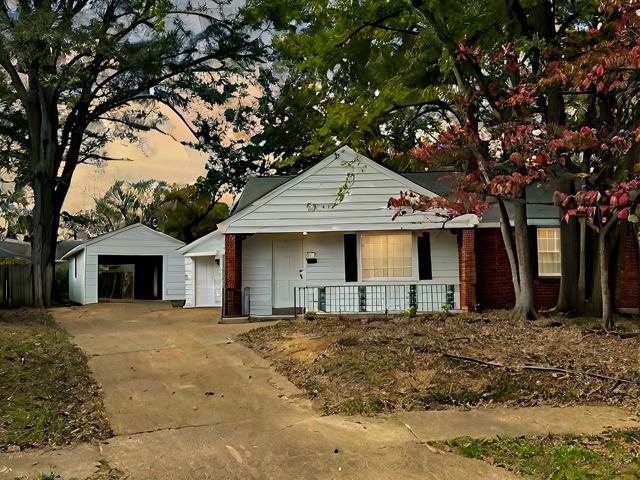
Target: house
{"points": [[203, 268], [133, 263], [15, 249], [325, 241]]}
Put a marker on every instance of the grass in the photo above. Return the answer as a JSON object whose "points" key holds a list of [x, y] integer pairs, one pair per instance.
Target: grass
{"points": [[47, 396], [602, 457]]}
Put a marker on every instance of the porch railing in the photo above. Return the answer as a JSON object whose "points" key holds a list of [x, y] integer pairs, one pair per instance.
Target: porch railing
{"points": [[376, 298]]}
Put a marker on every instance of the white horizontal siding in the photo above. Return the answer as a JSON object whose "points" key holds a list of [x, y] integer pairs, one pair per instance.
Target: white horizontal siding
{"points": [[307, 203], [136, 241], [189, 279], [257, 272], [212, 243], [257, 268], [329, 250], [91, 277], [76, 278], [174, 287]]}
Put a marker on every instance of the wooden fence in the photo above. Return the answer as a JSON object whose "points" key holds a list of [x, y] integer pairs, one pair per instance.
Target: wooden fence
{"points": [[16, 286]]}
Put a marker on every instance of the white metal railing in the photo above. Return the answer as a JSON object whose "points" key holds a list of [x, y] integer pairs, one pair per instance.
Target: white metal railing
{"points": [[385, 298]]}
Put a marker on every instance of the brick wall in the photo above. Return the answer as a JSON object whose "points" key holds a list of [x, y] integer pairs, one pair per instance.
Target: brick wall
{"points": [[233, 276], [494, 284], [467, 266], [628, 291]]}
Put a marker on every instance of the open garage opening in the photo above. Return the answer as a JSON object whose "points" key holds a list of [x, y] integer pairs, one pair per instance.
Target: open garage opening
{"points": [[129, 278]]}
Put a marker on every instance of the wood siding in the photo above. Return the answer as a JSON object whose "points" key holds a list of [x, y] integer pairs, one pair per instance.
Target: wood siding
{"points": [[257, 267], [189, 279], [135, 240], [308, 202], [76, 278]]}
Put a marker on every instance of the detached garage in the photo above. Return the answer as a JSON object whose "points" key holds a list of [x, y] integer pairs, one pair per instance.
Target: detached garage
{"points": [[133, 263]]}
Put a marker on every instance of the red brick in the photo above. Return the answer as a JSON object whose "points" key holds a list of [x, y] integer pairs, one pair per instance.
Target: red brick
{"points": [[233, 276], [628, 291], [467, 267], [495, 286]]}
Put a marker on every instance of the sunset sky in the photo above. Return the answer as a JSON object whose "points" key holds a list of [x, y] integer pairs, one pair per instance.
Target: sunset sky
{"points": [[159, 157]]}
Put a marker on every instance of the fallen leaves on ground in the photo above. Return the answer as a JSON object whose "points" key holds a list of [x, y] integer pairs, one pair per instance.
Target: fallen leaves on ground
{"points": [[379, 364]]}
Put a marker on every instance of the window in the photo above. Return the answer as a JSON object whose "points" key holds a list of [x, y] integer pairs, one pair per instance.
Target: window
{"points": [[548, 252], [75, 267], [386, 255]]}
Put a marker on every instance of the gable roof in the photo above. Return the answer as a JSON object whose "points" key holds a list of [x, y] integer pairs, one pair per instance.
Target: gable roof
{"points": [[308, 201], [65, 246], [257, 187], [215, 238], [105, 236]]}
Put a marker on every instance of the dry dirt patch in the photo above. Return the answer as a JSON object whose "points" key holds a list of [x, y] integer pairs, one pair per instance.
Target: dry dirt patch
{"points": [[366, 366]]}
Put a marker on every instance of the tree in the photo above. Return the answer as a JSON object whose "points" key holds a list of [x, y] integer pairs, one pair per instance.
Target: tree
{"points": [[77, 74], [185, 213], [16, 219], [503, 92], [124, 203]]}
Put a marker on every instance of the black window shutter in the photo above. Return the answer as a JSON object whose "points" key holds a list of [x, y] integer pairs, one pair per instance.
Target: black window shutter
{"points": [[350, 258], [424, 257]]}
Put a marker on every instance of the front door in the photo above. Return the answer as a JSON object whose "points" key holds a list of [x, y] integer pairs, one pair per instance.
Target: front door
{"points": [[205, 282], [287, 268]]}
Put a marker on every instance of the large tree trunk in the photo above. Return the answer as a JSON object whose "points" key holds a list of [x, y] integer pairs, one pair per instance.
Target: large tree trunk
{"points": [[516, 243], [509, 244], [43, 240], [604, 261], [525, 307], [582, 268], [42, 116], [569, 299]]}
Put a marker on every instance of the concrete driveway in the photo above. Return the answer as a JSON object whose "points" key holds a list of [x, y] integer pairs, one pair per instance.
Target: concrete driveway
{"points": [[188, 402]]}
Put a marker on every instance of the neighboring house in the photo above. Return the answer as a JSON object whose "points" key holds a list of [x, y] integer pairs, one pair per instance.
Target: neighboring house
{"points": [[203, 269], [292, 244], [133, 263], [11, 248]]}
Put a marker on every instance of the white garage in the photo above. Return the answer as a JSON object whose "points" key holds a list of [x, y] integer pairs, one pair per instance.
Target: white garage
{"points": [[133, 263], [204, 272]]}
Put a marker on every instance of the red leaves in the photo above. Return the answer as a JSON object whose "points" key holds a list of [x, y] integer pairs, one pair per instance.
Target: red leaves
{"points": [[513, 185], [440, 206], [618, 201]]}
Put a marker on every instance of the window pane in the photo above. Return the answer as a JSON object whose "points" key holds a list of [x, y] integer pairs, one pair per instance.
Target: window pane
{"points": [[386, 255], [549, 251]]}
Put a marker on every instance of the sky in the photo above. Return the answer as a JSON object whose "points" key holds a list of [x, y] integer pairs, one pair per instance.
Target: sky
{"points": [[157, 157]]}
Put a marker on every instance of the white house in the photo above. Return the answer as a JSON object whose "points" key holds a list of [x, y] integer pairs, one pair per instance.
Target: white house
{"points": [[204, 271], [325, 241], [133, 263]]}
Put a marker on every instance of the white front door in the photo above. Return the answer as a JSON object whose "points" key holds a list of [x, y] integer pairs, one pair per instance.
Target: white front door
{"points": [[205, 281], [287, 267]]}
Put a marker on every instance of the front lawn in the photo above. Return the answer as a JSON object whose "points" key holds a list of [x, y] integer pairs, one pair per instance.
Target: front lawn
{"points": [[373, 365], [608, 456], [47, 396]]}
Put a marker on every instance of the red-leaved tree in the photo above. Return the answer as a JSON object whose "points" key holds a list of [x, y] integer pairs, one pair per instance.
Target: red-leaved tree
{"points": [[555, 101]]}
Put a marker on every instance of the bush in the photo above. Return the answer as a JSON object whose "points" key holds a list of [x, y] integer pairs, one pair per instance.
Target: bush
{"points": [[310, 315]]}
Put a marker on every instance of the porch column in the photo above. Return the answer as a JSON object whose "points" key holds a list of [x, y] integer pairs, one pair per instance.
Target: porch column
{"points": [[233, 276], [467, 266]]}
